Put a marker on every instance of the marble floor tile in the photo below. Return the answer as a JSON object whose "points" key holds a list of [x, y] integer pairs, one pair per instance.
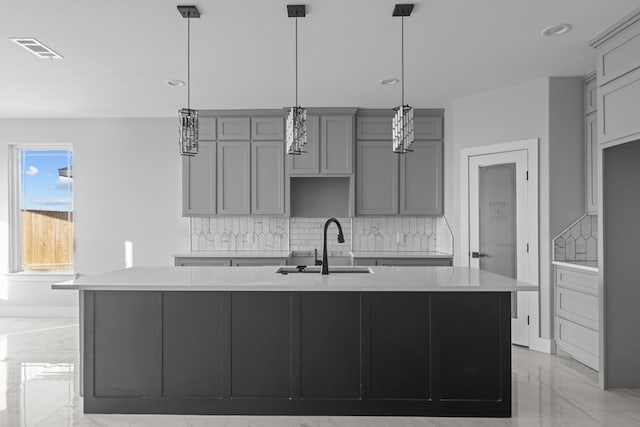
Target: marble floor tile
{"points": [[39, 385]]}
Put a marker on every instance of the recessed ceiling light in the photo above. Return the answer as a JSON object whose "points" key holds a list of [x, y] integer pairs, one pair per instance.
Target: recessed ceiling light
{"points": [[557, 30], [36, 47], [174, 82], [389, 82]]}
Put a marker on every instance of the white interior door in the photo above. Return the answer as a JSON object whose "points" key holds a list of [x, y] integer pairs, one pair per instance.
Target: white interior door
{"points": [[498, 225]]}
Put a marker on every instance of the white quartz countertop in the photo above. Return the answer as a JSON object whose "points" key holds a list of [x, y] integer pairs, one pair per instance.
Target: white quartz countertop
{"points": [[403, 279], [407, 254], [579, 265], [233, 254]]}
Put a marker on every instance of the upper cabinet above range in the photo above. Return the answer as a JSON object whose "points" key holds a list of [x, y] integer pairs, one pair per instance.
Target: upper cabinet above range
{"points": [[329, 148]]}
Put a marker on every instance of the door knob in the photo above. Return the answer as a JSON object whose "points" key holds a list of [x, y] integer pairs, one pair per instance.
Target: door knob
{"points": [[478, 255]]}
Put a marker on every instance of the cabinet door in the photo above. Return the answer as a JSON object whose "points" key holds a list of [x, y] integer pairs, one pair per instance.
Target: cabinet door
{"points": [[376, 178], [336, 145], [199, 181], [267, 177], [206, 128], [421, 179], [591, 139], [233, 128], [307, 163], [428, 127], [234, 177], [619, 103], [378, 128], [267, 128]]}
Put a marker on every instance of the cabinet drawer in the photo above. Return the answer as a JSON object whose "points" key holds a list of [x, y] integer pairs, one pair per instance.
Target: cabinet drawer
{"points": [[582, 343], [580, 281], [620, 103], [267, 128], [620, 57], [578, 307], [202, 262]]}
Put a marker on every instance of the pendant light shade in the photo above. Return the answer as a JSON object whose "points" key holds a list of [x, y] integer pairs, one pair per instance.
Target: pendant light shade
{"points": [[188, 118], [297, 117], [402, 126]]}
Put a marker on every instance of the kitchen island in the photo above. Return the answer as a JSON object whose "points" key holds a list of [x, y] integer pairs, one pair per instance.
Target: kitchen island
{"points": [[433, 341]]}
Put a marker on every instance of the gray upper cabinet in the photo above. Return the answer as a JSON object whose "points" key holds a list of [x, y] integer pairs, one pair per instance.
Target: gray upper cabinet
{"points": [[376, 177], [267, 177], [234, 128], [618, 55], [267, 128], [307, 163], [336, 144], [421, 176], [234, 174], [329, 149], [199, 181], [428, 127]]}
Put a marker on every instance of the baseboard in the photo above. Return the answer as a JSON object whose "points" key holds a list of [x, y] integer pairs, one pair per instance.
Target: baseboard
{"points": [[38, 311], [543, 345]]}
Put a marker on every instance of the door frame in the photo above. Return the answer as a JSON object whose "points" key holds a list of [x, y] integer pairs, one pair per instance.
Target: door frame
{"points": [[531, 146]]}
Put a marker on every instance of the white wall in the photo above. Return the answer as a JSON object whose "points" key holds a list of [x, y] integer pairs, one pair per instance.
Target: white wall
{"points": [[127, 179], [526, 111]]}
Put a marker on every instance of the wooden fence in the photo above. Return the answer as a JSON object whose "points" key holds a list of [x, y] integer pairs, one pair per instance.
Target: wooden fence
{"points": [[47, 240]]}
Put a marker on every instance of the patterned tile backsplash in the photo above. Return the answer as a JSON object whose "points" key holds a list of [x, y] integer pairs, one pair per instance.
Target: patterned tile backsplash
{"points": [[398, 234], [579, 242], [240, 233], [303, 235]]}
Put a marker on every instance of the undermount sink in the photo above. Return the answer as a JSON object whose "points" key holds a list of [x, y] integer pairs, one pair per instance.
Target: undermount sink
{"points": [[316, 270]]}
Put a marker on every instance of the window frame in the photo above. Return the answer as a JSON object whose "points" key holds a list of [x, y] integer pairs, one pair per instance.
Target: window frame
{"points": [[15, 183]]}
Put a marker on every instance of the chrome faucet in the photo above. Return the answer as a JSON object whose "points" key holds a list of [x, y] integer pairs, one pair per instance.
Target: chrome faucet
{"points": [[325, 261]]}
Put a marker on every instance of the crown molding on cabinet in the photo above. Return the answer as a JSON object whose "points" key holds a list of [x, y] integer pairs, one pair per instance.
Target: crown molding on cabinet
{"points": [[615, 28]]}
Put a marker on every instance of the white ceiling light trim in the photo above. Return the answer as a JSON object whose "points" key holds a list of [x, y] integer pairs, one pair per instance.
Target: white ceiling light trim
{"points": [[36, 47], [556, 30]]}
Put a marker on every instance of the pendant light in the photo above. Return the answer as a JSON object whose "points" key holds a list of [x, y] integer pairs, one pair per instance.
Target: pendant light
{"points": [[403, 119], [297, 117], [188, 118]]}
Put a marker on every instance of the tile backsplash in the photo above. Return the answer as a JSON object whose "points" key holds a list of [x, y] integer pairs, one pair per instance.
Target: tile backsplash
{"points": [[240, 233], [579, 242], [398, 234], [302, 235]]}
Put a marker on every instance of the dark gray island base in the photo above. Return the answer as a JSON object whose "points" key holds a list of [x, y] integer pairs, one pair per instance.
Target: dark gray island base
{"points": [[297, 353]]}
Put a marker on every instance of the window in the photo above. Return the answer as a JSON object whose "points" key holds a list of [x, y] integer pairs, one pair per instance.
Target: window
{"points": [[42, 208]]}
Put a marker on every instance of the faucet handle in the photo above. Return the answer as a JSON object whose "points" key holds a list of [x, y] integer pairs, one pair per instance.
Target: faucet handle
{"points": [[317, 261]]}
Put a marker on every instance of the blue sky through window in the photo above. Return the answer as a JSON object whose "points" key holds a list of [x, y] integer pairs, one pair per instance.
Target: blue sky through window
{"points": [[42, 186]]}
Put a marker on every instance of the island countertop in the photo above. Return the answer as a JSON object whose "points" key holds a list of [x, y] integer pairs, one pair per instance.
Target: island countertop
{"points": [[381, 279]]}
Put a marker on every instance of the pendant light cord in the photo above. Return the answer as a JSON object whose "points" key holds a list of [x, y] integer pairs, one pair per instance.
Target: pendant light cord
{"points": [[402, 49], [296, 61], [189, 62]]}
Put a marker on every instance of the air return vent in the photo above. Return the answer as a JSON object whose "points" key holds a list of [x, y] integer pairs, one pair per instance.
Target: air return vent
{"points": [[36, 47]]}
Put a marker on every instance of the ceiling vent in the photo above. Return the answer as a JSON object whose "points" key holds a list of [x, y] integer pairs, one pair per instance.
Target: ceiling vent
{"points": [[36, 47]]}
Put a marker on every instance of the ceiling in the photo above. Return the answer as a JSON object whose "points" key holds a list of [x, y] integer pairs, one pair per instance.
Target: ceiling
{"points": [[118, 54]]}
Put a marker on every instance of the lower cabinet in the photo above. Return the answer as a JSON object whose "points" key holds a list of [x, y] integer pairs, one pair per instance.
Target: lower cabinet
{"points": [[577, 320]]}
